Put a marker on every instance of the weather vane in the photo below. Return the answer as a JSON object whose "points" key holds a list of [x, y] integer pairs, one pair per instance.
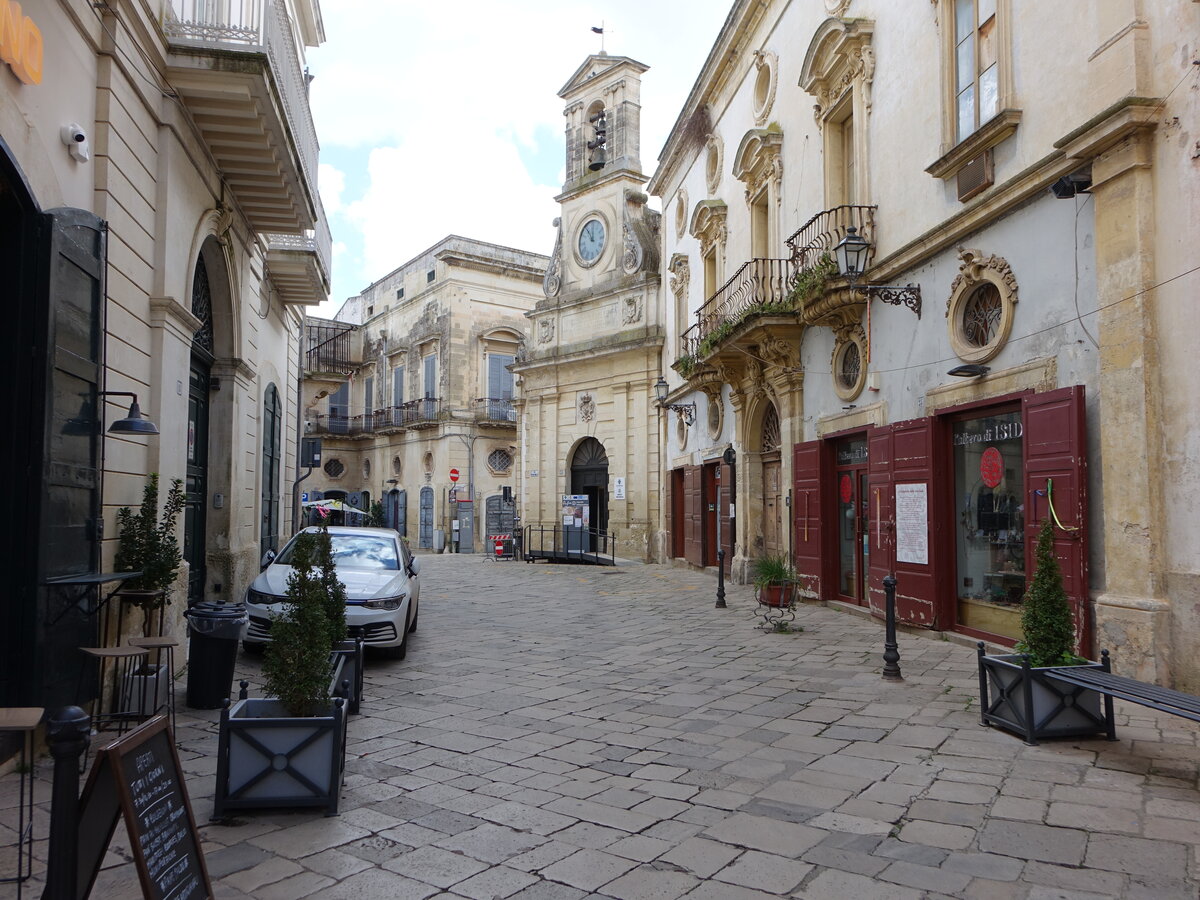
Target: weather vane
{"points": [[599, 31]]}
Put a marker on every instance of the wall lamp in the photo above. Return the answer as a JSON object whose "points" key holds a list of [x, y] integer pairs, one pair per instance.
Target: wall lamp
{"points": [[134, 422], [687, 411], [851, 253], [969, 370]]}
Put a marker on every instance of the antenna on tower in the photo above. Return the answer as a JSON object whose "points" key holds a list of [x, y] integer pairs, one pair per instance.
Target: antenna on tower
{"points": [[600, 31]]}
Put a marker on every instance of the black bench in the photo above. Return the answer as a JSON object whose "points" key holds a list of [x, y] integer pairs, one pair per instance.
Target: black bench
{"points": [[1109, 685]]}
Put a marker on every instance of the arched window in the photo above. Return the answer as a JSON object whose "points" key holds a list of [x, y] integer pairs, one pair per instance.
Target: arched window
{"points": [[272, 452]]}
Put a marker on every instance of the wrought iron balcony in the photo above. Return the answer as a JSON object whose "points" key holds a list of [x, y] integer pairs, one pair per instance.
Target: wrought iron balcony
{"points": [[759, 287], [820, 234], [495, 411], [422, 413], [299, 264], [342, 425], [236, 68], [330, 346]]}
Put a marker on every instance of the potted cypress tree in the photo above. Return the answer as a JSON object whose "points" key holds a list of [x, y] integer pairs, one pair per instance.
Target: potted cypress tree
{"points": [[288, 748], [1021, 698], [147, 543]]}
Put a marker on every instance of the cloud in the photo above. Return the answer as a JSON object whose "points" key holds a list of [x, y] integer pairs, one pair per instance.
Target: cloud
{"points": [[450, 106]]}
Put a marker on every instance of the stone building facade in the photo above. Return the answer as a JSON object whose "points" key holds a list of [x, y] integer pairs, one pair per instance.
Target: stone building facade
{"points": [[161, 234], [1012, 351], [590, 428], [412, 382]]}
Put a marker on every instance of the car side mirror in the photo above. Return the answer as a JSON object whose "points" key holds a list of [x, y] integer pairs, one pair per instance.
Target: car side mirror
{"points": [[414, 566], [267, 559]]}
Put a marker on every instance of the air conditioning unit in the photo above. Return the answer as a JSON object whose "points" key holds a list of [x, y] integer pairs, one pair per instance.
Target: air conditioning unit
{"points": [[976, 176]]}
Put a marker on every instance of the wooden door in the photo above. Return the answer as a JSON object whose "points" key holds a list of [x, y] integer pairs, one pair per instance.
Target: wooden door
{"points": [[806, 516], [693, 526], [772, 521]]}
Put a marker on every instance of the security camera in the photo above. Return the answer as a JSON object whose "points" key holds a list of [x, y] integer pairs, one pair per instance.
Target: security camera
{"points": [[76, 140]]}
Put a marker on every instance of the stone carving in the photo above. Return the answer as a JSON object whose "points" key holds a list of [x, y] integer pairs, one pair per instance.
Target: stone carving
{"points": [[768, 60], [779, 352], [714, 162], [680, 270], [545, 331], [553, 280], [681, 211], [972, 268], [587, 407], [632, 311], [639, 232]]}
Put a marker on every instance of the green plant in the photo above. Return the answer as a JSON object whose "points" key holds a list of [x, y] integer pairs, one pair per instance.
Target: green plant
{"points": [[147, 543], [685, 365], [334, 596], [1049, 631], [771, 569], [296, 661], [375, 516], [810, 282]]}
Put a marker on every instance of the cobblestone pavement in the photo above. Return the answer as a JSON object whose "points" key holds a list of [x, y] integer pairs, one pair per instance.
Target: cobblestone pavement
{"points": [[561, 732]]}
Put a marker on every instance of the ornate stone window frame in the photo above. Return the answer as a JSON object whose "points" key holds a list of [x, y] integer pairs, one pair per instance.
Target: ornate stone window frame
{"points": [[714, 413], [681, 213], [681, 276], [759, 163], [766, 80], [709, 227], [976, 269], [849, 339], [839, 72], [714, 162], [497, 454]]}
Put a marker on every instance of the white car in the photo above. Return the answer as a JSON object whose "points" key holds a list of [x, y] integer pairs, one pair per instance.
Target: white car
{"points": [[382, 588]]}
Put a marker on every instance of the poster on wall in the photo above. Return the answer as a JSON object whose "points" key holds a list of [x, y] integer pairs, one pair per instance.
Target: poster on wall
{"points": [[912, 524]]}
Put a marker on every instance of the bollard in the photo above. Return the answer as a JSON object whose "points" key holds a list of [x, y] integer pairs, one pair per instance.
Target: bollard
{"points": [[721, 579], [67, 735], [891, 652]]}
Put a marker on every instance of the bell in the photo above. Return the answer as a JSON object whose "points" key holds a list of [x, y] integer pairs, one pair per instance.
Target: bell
{"points": [[597, 162]]}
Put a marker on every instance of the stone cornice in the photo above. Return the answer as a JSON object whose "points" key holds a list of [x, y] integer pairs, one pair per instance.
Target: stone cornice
{"points": [[997, 129], [1111, 126], [651, 340], [169, 313]]}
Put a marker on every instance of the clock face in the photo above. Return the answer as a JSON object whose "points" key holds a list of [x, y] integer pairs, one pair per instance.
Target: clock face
{"points": [[591, 240]]}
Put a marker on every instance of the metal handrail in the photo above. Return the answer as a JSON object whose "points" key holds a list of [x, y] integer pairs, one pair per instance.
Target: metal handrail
{"points": [[556, 543], [821, 233], [758, 283]]}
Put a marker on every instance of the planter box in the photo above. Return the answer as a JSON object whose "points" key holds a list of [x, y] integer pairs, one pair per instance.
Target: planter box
{"points": [[1021, 699], [145, 691], [266, 758], [349, 683]]}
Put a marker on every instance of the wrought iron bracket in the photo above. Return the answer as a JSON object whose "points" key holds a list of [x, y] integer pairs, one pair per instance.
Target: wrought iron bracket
{"points": [[909, 295], [686, 411]]}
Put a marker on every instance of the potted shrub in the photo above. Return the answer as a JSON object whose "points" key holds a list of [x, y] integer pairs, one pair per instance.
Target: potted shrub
{"points": [[774, 580], [1014, 690], [147, 543], [288, 748], [348, 679]]}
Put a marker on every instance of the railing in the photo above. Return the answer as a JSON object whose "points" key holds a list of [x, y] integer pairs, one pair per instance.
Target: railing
{"points": [[559, 544], [821, 233], [252, 26], [759, 285], [426, 411], [341, 424], [496, 410], [318, 241], [329, 345]]}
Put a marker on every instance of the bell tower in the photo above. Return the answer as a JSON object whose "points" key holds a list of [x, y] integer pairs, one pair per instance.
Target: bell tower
{"points": [[603, 127]]}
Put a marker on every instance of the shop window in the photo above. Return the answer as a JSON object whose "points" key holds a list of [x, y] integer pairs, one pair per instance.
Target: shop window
{"points": [[989, 523], [982, 304]]}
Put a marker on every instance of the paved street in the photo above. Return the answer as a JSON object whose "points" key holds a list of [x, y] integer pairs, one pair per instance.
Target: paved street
{"points": [[561, 732]]}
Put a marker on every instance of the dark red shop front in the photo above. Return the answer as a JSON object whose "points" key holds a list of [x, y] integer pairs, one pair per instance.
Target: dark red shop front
{"points": [[950, 504]]}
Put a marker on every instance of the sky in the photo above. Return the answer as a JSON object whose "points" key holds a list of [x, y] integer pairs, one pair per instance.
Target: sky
{"points": [[438, 119]]}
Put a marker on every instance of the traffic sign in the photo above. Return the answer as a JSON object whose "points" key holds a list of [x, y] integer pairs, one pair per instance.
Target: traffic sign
{"points": [[454, 474]]}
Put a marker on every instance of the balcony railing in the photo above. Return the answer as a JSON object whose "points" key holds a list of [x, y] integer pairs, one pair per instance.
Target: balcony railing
{"points": [[494, 410], [759, 286], [252, 26], [350, 426], [303, 282], [820, 234], [330, 345]]}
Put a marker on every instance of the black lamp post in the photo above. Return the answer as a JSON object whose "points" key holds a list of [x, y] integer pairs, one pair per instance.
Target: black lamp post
{"points": [[851, 253], [686, 410]]}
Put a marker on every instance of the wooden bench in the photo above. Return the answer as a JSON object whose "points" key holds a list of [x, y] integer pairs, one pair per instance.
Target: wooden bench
{"points": [[1104, 682]]}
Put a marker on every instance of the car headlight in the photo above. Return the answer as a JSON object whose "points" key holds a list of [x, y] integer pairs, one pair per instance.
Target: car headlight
{"points": [[261, 599], [387, 603]]}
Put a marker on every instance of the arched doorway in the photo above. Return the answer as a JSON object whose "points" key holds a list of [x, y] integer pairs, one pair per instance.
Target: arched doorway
{"points": [[195, 511], [589, 476], [772, 472]]}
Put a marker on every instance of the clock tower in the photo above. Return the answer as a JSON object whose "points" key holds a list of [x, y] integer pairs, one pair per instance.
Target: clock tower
{"points": [[586, 378]]}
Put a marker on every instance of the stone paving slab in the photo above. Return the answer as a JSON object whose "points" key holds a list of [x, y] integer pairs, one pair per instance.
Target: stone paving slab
{"points": [[561, 733]]}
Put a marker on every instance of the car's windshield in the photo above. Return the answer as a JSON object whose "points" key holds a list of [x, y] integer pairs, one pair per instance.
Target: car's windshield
{"points": [[357, 551]]}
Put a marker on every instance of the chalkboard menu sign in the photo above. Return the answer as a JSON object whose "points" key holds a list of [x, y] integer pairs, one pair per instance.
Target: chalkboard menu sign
{"points": [[138, 775]]}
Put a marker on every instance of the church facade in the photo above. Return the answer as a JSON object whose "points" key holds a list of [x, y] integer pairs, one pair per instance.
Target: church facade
{"points": [[590, 427]]}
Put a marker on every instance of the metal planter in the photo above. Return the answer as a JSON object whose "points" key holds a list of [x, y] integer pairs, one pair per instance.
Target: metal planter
{"points": [[349, 679], [267, 758], [1020, 698]]}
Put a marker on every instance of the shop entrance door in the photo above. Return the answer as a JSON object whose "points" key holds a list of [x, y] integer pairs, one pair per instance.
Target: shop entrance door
{"points": [[853, 520]]}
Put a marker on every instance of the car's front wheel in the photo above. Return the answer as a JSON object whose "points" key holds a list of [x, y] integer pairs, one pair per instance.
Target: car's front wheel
{"points": [[401, 650]]}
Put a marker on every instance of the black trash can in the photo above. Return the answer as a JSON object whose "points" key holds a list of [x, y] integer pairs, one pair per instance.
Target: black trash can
{"points": [[214, 630]]}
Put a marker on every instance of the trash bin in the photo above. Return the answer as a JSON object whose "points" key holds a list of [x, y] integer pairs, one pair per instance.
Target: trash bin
{"points": [[214, 630]]}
